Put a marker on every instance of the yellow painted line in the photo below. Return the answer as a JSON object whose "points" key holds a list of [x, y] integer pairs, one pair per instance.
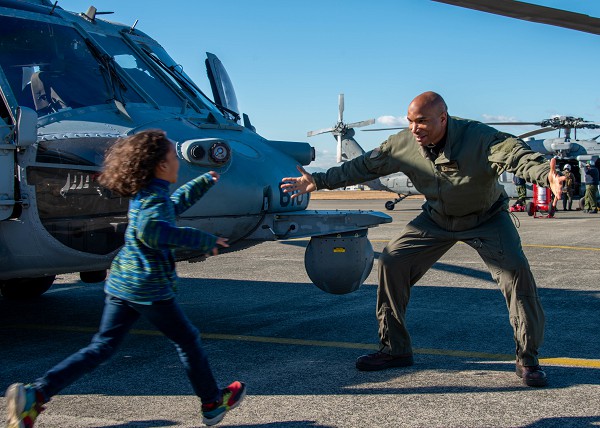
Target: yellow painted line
{"points": [[562, 247], [556, 361]]}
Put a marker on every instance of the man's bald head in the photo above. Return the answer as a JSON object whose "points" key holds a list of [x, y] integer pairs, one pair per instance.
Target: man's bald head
{"points": [[430, 101], [427, 118]]}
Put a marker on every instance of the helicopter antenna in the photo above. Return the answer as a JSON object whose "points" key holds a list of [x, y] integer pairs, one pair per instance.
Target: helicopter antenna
{"points": [[133, 27], [53, 7], [340, 129]]}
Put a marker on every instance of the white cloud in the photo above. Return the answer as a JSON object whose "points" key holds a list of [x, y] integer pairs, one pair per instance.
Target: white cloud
{"points": [[498, 118], [392, 121]]}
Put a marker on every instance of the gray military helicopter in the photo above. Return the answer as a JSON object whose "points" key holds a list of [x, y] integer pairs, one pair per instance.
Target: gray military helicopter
{"points": [[566, 148], [399, 183], [71, 84]]}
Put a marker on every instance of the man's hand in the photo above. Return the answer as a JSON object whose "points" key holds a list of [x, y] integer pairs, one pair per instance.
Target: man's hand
{"points": [[556, 182], [299, 185]]}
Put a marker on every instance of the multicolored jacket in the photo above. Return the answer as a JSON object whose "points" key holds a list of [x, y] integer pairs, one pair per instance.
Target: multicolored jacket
{"points": [[144, 269]]}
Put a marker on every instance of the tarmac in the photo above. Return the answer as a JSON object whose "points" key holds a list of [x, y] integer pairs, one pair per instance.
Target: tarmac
{"points": [[263, 322]]}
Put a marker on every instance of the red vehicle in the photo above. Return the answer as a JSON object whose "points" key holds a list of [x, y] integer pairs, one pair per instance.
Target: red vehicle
{"points": [[541, 203]]}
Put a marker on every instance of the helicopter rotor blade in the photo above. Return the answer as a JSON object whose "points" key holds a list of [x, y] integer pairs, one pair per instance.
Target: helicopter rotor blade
{"points": [[338, 155], [341, 108], [537, 131], [533, 13], [514, 123], [319, 131], [385, 129], [361, 123]]}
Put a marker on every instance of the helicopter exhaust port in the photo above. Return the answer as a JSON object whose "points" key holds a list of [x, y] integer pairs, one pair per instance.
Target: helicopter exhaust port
{"points": [[339, 263]]}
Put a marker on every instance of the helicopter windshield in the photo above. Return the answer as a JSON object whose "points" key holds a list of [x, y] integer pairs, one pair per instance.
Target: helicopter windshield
{"points": [[144, 76], [49, 68], [173, 71]]}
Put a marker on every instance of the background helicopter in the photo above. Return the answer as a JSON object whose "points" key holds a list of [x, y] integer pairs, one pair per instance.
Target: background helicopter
{"points": [[348, 148], [566, 147], [70, 85]]}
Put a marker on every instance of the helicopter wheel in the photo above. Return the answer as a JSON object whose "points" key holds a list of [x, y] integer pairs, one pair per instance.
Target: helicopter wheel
{"points": [[26, 288], [93, 276], [390, 205], [530, 209]]}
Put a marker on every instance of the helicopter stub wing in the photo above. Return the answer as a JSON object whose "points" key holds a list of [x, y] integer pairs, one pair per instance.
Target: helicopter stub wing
{"points": [[533, 13]]}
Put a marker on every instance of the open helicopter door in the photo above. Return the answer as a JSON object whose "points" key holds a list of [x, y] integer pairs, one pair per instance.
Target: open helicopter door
{"points": [[26, 135], [220, 83]]}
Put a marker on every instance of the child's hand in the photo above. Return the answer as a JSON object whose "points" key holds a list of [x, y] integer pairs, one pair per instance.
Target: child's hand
{"points": [[215, 175], [221, 242]]}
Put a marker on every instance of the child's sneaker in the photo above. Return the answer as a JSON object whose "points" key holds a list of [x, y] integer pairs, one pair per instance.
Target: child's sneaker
{"points": [[213, 413], [23, 405]]}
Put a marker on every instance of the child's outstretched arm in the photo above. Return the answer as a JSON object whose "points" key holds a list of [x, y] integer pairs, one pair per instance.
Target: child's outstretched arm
{"points": [[161, 235], [188, 194]]}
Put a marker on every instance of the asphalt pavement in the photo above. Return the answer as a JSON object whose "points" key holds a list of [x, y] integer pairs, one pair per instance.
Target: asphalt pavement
{"points": [[294, 345]]}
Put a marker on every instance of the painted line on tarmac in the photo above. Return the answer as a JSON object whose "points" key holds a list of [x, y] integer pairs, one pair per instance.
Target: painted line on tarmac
{"points": [[555, 361], [562, 247]]}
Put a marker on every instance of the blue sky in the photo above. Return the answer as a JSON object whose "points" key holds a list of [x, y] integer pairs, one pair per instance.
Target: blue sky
{"points": [[290, 60]]}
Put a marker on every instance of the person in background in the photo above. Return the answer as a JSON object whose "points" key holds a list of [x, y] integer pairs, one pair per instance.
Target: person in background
{"points": [[455, 163], [521, 190], [142, 279], [591, 189], [568, 188]]}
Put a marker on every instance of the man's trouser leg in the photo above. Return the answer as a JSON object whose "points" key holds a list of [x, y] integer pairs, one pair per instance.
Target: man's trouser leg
{"points": [[589, 203], [499, 245], [401, 264]]}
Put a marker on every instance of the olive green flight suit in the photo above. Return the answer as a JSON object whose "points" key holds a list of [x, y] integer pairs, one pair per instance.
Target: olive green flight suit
{"points": [[464, 202]]}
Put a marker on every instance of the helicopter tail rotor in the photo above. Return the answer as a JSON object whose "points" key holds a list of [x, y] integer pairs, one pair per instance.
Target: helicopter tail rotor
{"points": [[340, 130]]}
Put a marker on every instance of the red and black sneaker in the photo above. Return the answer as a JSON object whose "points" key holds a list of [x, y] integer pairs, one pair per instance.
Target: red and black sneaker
{"points": [[213, 413]]}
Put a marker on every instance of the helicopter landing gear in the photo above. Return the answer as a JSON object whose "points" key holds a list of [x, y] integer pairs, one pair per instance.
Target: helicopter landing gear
{"points": [[390, 205], [26, 288]]}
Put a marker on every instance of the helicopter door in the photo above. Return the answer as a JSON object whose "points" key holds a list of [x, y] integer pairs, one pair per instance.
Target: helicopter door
{"points": [[7, 179], [7, 162], [220, 83]]}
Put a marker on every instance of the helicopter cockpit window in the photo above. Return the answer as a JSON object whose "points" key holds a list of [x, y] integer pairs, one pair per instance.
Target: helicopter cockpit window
{"points": [[50, 68], [140, 73], [174, 72]]}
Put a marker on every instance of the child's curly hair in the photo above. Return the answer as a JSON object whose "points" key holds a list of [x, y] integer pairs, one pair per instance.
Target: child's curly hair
{"points": [[129, 164]]}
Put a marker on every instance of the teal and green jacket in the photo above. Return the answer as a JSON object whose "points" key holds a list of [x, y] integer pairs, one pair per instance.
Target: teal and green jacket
{"points": [[144, 269], [461, 186]]}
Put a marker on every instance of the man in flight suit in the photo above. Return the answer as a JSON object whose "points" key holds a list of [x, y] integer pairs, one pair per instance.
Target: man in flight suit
{"points": [[455, 163]]}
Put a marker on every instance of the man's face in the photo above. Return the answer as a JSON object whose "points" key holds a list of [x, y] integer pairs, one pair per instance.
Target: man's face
{"points": [[427, 124]]}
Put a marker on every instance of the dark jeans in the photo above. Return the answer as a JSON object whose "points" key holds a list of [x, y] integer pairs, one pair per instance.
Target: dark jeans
{"points": [[117, 319]]}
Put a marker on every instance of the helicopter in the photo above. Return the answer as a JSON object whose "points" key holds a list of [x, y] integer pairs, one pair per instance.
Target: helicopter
{"points": [[567, 149], [71, 85], [348, 148]]}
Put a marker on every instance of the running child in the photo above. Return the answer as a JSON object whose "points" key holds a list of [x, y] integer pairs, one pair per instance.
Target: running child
{"points": [[142, 279]]}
